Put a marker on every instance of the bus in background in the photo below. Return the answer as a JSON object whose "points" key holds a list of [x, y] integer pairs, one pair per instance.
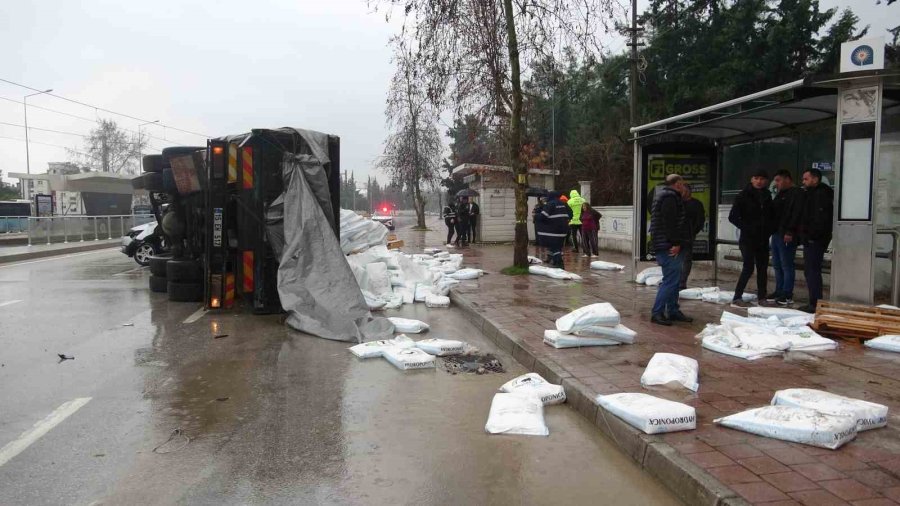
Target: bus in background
{"points": [[14, 215]]}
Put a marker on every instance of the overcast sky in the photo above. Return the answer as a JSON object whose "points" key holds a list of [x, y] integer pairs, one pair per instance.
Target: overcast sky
{"points": [[215, 68]]}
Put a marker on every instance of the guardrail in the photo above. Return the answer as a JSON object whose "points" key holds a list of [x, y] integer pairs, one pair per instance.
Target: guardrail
{"points": [[63, 229]]}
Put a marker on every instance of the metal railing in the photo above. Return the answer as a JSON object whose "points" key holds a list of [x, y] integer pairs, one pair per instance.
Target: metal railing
{"points": [[64, 229]]}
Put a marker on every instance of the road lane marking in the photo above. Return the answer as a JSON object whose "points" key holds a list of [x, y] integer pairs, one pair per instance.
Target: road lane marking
{"points": [[129, 271], [42, 427], [196, 316], [9, 302], [55, 257]]}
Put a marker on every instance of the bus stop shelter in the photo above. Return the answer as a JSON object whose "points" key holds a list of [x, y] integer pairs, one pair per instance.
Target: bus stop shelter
{"points": [[846, 125]]}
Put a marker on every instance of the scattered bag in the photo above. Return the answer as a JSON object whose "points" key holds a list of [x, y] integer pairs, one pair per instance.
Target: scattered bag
{"points": [[619, 333], [725, 297], [600, 265], [379, 281], [884, 343], [805, 339], [696, 293], [553, 272], [392, 300], [601, 313], [778, 312], [721, 339], [653, 280], [797, 425], [516, 414], [464, 274], [535, 385], [373, 301], [434, 300], [408, 358], [649, 414], [642, 276], [666, 368], [422, 291], [441, 347], [868, 415], [799, 321], [407, 326], [534, 260], [559, 340], [374, 349]]}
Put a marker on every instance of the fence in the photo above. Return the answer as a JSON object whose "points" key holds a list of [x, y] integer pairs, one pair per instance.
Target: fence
{"points": [[64, 229]]}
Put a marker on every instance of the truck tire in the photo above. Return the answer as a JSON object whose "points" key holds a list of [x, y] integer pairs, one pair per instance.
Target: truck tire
{"points": [[169, 153], [184, 271], [150, 181], [185, 292], [158, 284], [152, 163], [137, 183], [158, 265]]}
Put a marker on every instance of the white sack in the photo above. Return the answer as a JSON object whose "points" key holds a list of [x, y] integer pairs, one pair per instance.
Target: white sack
{"points": [[649, 414], [559, 340], [434, 300], [534, 260], [373, 349], [407, 294], [516, 414], [779, 312], [422, 291], [653, 280], [441, 347], [697, 293], [619, 333], [553, 272], [463, 274], [666, 368], [884, 343], [797, 425], [600, 265], [799, 321], [408, 358], [642, 276], [721, 339], [392, 301], [805, 339], [373, 301], [408, 326], [534, 384], [601, 313], [725, 297], [868, 415]]}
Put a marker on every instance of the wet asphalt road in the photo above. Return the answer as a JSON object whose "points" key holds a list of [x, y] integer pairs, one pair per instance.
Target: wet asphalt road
{"points": [[263, 416]]}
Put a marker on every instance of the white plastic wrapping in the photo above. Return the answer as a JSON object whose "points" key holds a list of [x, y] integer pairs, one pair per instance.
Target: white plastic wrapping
{"points": [[601, 313], [653, 280], [408, 326], [619, 333], [642, 276], [797, 425], [374, 349], [516, 414], [559, 340], [721, 339], [725, 297], [535, 385], [650, 414], [601, 265], [696, 293], [553, 272], [868, 415], [665, 368], [408, 358], [805, 339], [534, 260], [441, 347], [884, 343], [464, 274], [358, 233], [434, 300]]}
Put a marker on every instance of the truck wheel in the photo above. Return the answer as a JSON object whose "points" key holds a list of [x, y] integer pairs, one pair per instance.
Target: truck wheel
{"points": [[152, 163], [158, 284], [143, 253], [183, 270], [158, 265], [150, 181], [185, 292]]}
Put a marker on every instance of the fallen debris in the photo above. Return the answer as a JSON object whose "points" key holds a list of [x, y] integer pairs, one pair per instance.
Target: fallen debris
{"points": [[516, 414], [601, 313], [884, 343], [559, 340], [375, 349], [408, 358], [535, 385], [600, 265], [441, 347], [649, 272], [666, 368], [797, 425], [63, 357], [408, 326], [868, 415], [473, 362], [650, 414], [553, 272], [177, 441]]}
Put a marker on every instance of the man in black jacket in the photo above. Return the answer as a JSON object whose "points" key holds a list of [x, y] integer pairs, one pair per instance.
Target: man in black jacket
{"points": [[786, 208], [449, 213], [474, 212], [668, 234], [752, 215], [463, 211], [695, 216], [554, 226], [815, 229]]}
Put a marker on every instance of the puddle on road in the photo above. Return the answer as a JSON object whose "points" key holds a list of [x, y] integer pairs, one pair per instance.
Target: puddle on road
{"points": [[473, 363]]}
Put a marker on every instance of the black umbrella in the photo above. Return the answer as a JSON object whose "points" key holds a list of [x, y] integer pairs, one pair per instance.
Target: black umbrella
{"points": [[467, 193], [532, 191]]}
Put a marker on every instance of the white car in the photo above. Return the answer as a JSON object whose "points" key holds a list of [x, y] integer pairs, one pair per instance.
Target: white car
{"points": [[141, 243], [387, 221]]}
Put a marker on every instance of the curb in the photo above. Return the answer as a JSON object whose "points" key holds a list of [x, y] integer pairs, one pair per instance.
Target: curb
{"points": [[56, 252], [687, 481]]}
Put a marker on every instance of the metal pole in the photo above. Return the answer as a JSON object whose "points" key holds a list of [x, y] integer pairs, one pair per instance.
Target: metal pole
{"points": [[108, 227], [65, 230], [81, 227], [29, 231], [122, 225], [96, 235], [49, 228], [25, 107]]}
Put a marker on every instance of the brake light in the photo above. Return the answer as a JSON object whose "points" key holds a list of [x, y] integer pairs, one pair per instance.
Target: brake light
{"points": [[215, 291], [218, 150], [384, 209]]}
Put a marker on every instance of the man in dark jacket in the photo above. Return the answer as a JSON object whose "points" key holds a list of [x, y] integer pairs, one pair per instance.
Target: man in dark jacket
{"points": [[786, 208], [463, 212], [814, 229], [668, 234], [449, 213], [695, 216], [474, 212], [752, 215], [554, 225]]}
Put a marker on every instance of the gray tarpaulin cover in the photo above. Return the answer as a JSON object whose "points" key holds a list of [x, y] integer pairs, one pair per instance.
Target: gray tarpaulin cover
{"points": [[315, 283]]}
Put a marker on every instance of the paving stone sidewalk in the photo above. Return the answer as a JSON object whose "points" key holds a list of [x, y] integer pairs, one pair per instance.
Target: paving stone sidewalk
{"points": [[711, 465]]}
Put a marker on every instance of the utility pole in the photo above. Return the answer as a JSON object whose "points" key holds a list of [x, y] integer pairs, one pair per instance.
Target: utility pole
{"points": [[632, 84], [25, 107]]}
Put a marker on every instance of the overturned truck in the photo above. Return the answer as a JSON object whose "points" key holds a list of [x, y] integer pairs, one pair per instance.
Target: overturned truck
{"points": [[252, 220]]}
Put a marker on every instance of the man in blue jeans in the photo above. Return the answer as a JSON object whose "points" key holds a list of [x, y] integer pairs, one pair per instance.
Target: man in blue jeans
{"points": [[786, 206], [669, 231], [815, 230]]}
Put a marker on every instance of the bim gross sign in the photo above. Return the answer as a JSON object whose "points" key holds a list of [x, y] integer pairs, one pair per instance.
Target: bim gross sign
{"points": [[696, 164]]}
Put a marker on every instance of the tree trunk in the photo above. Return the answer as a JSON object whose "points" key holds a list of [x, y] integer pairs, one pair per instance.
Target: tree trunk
{"points": [[420, 206], [520, 248]]}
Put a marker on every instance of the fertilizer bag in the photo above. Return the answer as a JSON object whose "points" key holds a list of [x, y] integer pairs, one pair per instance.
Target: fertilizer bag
{"points": [[666, 368], [797, 425], [516, 414], [868, 415], [649, 414], [407, 326], [885, 343], [409, 358], [559, 340], [535, 385], [441, 347], [602, 313]]}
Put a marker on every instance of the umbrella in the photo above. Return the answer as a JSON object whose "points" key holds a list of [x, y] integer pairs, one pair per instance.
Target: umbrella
{"points": [[531, 191], [467, 193]]}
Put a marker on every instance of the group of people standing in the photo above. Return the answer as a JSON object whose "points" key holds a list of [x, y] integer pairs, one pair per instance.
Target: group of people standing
{"points": [[793, 217], [560, 220], [461, 219]]}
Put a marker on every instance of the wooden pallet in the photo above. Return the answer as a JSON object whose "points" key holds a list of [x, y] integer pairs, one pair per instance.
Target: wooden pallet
{"points": [[855, 321], [395, 244]]}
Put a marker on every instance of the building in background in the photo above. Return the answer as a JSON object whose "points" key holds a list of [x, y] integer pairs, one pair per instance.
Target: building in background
{"points": [[77, 192]]}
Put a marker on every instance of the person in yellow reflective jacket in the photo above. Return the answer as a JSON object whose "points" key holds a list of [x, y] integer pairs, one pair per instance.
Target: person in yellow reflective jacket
{"points": [[575, 202]]}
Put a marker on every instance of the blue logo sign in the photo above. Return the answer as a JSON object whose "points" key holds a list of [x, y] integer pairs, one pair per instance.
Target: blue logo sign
{"points": [[862, 55]]}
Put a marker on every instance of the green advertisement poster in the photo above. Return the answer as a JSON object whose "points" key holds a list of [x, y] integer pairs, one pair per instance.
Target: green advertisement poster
{"points": [[698, 170]]}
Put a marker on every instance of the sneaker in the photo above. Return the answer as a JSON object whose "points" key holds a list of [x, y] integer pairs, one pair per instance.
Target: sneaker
{"points": [[785, 300], [807, 309], [740, 304], [774, 297]]}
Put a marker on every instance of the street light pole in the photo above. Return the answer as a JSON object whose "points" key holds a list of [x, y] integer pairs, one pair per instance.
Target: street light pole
{"points": [[25, 107], [140, 153]]}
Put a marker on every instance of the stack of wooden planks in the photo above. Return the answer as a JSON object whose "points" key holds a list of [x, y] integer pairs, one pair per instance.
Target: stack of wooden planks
{"points": [[838, 319], [393, 242]]}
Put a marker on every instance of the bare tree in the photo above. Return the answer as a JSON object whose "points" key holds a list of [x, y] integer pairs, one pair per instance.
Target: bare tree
{"points": [[109, 148], [412, 154], [471, 54]]}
